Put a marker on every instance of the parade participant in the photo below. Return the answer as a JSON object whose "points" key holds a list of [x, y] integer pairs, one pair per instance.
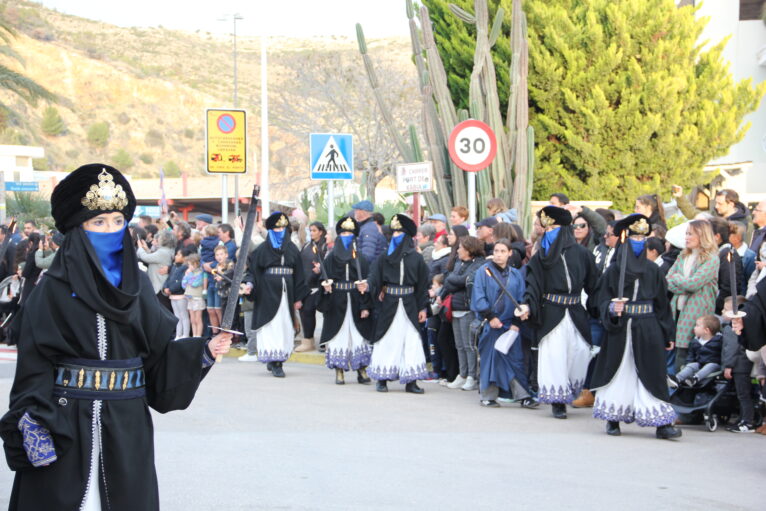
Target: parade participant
{"points": [[556, 276], [630, 370], [314, 250], [347, 323], [398, 283], [95, 349], [275, 280], [501, 374]]}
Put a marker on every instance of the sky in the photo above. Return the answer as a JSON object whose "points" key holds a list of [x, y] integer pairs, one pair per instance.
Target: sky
{"points": [[294, 18]]}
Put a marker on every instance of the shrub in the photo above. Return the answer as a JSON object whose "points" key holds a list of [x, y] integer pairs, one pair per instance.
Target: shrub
{"points": [[52, 123], [154, 138], [122, 160], [98, 134]]}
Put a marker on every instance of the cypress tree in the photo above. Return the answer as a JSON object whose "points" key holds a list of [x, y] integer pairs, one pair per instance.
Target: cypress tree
{"points": [[52, 123]]}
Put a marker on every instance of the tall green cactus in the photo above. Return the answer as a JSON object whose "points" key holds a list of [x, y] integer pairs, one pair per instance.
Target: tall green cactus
{"points": [[509, 175]]}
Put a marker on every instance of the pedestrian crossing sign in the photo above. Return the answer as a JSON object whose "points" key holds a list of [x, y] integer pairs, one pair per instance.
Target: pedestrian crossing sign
{"points": [[332, 156]]}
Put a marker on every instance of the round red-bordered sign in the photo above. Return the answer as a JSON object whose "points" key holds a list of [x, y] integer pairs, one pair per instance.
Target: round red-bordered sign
{"points": [[472, 145], [226, 123]]}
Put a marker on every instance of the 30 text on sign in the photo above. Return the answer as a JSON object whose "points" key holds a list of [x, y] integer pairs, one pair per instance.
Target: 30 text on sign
{"points": [[472, 145]]}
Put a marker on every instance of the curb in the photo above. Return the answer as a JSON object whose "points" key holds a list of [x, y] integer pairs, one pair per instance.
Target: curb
{"points": [[312, 357]]}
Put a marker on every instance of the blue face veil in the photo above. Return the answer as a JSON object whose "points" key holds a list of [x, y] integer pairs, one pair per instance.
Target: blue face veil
{"points": [[638, 246], [108, 246], [276, 238], [347, 239], [396, 240], [549, 238]]}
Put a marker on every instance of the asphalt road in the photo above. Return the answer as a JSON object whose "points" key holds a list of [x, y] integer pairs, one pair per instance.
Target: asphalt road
{"points": [[250, 442]]}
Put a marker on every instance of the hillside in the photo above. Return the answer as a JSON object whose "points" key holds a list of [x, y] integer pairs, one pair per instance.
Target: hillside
{"points": [[152, 86]]}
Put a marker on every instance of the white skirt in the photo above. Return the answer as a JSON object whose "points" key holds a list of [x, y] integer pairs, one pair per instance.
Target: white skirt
{"points": [[563, 357], [625, 399], [277, 337], [399, 353], [348, 349]]}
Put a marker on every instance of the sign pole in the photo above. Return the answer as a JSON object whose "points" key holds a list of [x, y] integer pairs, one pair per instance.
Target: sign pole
{"points": [[416, 208], [265, 192], [331, 203], [224, 198], [472, 198]]}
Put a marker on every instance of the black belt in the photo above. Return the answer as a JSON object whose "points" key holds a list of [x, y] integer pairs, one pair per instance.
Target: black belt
{"points": [[279, 270], [395, 290], [344, 285], [80, 378], [562, 299], [637, 309]]}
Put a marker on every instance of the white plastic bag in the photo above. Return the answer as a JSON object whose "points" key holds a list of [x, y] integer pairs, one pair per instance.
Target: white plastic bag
{"points": [[505, 341]]}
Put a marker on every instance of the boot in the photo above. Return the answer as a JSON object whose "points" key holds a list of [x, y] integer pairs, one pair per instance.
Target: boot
{"points": [[667, 432], [613, 428], [381, 386], [306, 345], [269, 366], [585, 399], [340, 378], [361, 376], [559, 410], [277, 371], [413, 388]]}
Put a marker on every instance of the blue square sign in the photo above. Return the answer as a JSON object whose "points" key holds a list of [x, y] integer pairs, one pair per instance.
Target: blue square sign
{"points": [[332, 156]]}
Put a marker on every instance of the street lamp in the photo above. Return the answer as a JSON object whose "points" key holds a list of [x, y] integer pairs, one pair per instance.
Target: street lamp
{"points": [[224, 179]]}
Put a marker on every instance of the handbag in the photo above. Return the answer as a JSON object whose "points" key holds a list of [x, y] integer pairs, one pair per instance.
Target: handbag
{"points": [[447, 307]]}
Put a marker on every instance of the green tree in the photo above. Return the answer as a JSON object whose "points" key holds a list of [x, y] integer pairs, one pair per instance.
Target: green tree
{"points": [[623, 99], [29, 205], [146, 158], [29, 90], [154, 138], [122, 160], [171, 169], [52, 123], [98, 134]]}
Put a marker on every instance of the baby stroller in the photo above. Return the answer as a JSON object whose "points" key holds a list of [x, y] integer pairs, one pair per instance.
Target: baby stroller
{"points": [[712, 401]]}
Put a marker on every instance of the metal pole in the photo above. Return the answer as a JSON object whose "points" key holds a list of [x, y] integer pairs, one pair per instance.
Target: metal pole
{"points": [[224, 198], [331, 203], [265, 195], [472, 198], [236, 104]]}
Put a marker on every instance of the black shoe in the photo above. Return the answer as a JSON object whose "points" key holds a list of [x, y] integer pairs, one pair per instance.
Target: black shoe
{"points": [[361, 376], [741, 427], [269, 366], [490, 403], [559, 410], [277, 370], [413, 388], [340, 378], [529, 402], [381, 386], [613, 428], [667, 432]]}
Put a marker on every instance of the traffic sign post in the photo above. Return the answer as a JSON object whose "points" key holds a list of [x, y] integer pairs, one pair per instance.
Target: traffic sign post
{"points": [[331, 157], [472, 147], [225, 148], [415, 178]]}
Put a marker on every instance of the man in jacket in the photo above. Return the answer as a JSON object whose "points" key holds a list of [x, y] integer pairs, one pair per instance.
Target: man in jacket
{"points": [[371, 242]]}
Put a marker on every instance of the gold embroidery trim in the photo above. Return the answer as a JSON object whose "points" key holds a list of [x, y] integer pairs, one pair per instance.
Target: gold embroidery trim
{"points": [[105, 195], [282, 222], [545, 220], [112, 378], [640, 227], [396, 225], [124, 380], [98, 380], [348, 224], [81, 378]]}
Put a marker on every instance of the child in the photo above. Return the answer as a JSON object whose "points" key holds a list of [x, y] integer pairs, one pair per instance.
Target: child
{"points": [[222, 273], [738, 367], [194, 282], [175, 291], [704, 357], [207, 257], [432, 325]]}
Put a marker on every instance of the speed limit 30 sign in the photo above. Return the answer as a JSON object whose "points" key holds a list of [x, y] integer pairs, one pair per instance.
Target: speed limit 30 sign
{"points": [[472, 145]]}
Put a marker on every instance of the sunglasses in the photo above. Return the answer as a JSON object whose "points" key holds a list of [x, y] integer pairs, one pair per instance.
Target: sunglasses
{"points": [[580, 226]]}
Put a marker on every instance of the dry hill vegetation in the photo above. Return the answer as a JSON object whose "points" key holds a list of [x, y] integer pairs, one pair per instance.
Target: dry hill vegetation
{"points": [[136, 97]]}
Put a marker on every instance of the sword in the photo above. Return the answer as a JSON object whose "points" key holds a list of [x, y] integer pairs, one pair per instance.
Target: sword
{"points": [[6, 242], [502, 287], [239, 269]]}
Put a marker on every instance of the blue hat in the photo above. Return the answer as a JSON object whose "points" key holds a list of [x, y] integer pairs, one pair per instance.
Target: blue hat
{"points": [[438, 216], [490, 221], [364, 205], [204, 217]]}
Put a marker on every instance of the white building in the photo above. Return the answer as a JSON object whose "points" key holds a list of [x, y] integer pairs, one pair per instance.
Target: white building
{"points": [[746, 51], [16, 162]]}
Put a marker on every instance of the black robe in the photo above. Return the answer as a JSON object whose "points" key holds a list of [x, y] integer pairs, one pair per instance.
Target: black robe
{"points": [[650, 334], [546, 274], [754, 331], [267, 289], [59, 320], [340, 266], [384, 271]]}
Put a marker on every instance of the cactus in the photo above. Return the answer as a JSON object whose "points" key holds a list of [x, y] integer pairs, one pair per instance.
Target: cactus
{"points": [[510, 174]]}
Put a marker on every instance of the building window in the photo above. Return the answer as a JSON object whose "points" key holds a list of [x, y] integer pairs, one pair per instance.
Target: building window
{"points": [[750, 9]]}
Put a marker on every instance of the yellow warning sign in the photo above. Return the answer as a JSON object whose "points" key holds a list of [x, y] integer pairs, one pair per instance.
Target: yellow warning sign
{"points": [[226, 146]]}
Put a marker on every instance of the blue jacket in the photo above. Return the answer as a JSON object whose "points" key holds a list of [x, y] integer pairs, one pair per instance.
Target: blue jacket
{"points": [[707, 354], [371, 242], [173, 282], [748, 267], [485, 294]]}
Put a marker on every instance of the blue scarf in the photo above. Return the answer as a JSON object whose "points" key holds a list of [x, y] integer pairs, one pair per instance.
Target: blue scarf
{"points": [[395, 242], [276, 238], [108, 246], [549, 238], [638, 246], [347, 239]]}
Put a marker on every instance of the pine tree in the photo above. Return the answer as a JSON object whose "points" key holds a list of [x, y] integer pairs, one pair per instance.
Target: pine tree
{"points": [[52, 123], [623, 99]]}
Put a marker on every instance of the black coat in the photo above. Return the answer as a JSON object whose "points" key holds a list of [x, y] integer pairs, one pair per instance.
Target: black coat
{"points": [[650, 334], [460, 281], [267, 289], [173, 282], [755, 321], [733, 355], [136, 326], [724, 278], [340, 266], [546, 274], [385, 271], [308, 258], [710, 353]]}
